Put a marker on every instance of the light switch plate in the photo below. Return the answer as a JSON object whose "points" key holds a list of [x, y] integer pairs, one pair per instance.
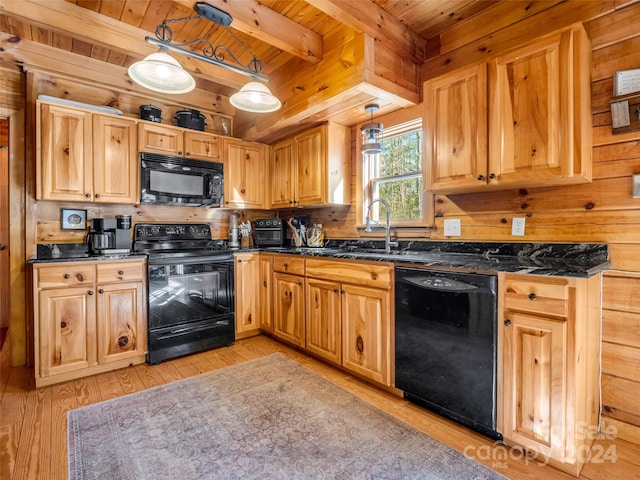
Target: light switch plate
{"points": [[636, 185], [517, 227], [452, 227]]}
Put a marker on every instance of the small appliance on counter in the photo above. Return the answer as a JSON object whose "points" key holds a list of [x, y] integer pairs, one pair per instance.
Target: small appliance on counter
{"points": [[233, 231], [110, 236], [268, 232]]}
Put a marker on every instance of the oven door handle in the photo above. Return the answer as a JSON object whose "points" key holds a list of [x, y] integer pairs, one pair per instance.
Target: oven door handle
{"points": [[181, 330], [209, 259]]}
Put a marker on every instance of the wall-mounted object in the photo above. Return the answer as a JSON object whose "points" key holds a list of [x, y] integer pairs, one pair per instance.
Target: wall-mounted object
{"points": [[625, 113], [626, 81], [73, 219]]}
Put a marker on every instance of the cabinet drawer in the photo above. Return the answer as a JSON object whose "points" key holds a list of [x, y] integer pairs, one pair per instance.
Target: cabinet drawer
{"points": [[65, 276], [370, 274], [288, 264], [116, 272], [548, 296]]}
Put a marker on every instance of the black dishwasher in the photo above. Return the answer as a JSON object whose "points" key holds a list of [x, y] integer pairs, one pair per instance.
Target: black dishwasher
{"points": [[445, 343]]}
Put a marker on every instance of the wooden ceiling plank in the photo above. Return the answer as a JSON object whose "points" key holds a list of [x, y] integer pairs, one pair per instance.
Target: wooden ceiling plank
{"points": [[134, 11], [256, 20], [112, 8], [367, 17], [68, 19]]}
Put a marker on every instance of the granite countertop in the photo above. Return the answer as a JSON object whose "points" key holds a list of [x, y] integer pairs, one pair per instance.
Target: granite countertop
{"points": [[564, 260], [551, 259], [74, 252]]}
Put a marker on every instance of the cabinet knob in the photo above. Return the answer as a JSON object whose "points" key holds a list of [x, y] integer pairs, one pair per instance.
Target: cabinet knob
{"points": [[67, 276], [179, 152], [532, 296], [188, 154], [120, 272], [2, 246], [359, 344], [264, 282], [285, 265], [374, 276], [88, 195], [90, 292], [63, 324], [101, 291], [336, 290], [97, 195], [123, 341], [300, 283], [507, 323], [242, 191], [492, 176], [247, 157], [480, 177]]}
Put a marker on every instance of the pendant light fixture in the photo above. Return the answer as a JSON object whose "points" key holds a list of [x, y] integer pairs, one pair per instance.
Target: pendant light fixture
{"points": [[371, 133], [160, 72]]}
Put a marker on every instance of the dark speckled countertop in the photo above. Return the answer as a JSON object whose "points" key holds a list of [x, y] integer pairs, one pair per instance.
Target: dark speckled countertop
{"points": [[553, 259]]}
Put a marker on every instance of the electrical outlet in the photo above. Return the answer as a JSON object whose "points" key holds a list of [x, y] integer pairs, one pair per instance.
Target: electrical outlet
{"points": [[517, 227], [452, 227]]}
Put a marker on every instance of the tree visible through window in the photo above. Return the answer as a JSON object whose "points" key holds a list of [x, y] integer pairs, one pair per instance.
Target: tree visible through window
{"points": [[395, 175]]}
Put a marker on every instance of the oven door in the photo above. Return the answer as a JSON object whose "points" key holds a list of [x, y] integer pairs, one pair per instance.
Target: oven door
{"points": [[191, 305]]}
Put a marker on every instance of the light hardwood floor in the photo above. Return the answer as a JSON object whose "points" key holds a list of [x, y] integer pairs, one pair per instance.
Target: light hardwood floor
{"points": [[33, 428]]}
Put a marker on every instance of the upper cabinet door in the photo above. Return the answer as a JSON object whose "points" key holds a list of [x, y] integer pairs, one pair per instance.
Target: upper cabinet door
{"points": [[312, 166], [283, 174], [115, 165], [245, 174], [456, 128], [540, 116], [158, 138], [204, 146], [64, 159]]}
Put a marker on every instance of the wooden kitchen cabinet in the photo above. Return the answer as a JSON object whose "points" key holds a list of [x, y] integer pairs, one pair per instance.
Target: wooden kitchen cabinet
{"points": [[549, 368], [90, 317], [85, 157], [247, 296], [245, 174], [312, 168], [266, 292], [535, 129], [168, 140], [348, 316], [323, 322], [288, 298]]}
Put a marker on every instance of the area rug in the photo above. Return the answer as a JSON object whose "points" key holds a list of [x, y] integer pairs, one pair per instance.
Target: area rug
{"points": [[269, 418]]}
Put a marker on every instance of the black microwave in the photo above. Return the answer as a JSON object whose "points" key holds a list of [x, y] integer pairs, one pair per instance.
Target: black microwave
{"points": [[168, 180]]}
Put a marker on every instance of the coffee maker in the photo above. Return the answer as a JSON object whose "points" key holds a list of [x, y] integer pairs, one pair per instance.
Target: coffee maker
{"points": [[110, 236]]}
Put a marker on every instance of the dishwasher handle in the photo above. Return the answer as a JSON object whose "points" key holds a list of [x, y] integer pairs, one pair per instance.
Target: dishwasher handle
{"points": [[438, 283]]}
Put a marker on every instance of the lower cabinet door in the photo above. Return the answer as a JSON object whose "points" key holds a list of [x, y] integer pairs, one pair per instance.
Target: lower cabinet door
{"points": [[122, 332], [534, 383], [288, 308], [366, 332], [323, 319], [67, 330]]}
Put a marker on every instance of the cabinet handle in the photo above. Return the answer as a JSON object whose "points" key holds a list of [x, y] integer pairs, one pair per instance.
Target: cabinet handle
{"points": [[359, 344], [285, 265], [242, 191], [67, 276], [101, 291], [123, 341], [492, 176], [300, 283], [247, 157], [264, 282], [249, 319], [507, 323], [80, 277], [90, 292], [120, 272], [188, 154], [532, 296], [88, 195], [63, 324], [97, 195], [374, 276], [480, 177], [2, 246], [179, 152], [336, 290], [291, 201]]}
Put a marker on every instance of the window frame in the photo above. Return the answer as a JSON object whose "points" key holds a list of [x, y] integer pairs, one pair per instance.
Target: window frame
{"points": [[394, 124]]}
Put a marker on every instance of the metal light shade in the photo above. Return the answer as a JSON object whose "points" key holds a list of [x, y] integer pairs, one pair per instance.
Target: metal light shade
{"points": [[371, 138], [255, 97], [162, 73]]}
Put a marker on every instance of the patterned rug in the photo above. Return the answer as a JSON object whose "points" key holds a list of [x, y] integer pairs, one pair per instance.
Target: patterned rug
{"points": [[269, 418]]}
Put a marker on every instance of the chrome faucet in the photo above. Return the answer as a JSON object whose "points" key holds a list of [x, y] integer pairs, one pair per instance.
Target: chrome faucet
{"points": [[387, 237]]}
